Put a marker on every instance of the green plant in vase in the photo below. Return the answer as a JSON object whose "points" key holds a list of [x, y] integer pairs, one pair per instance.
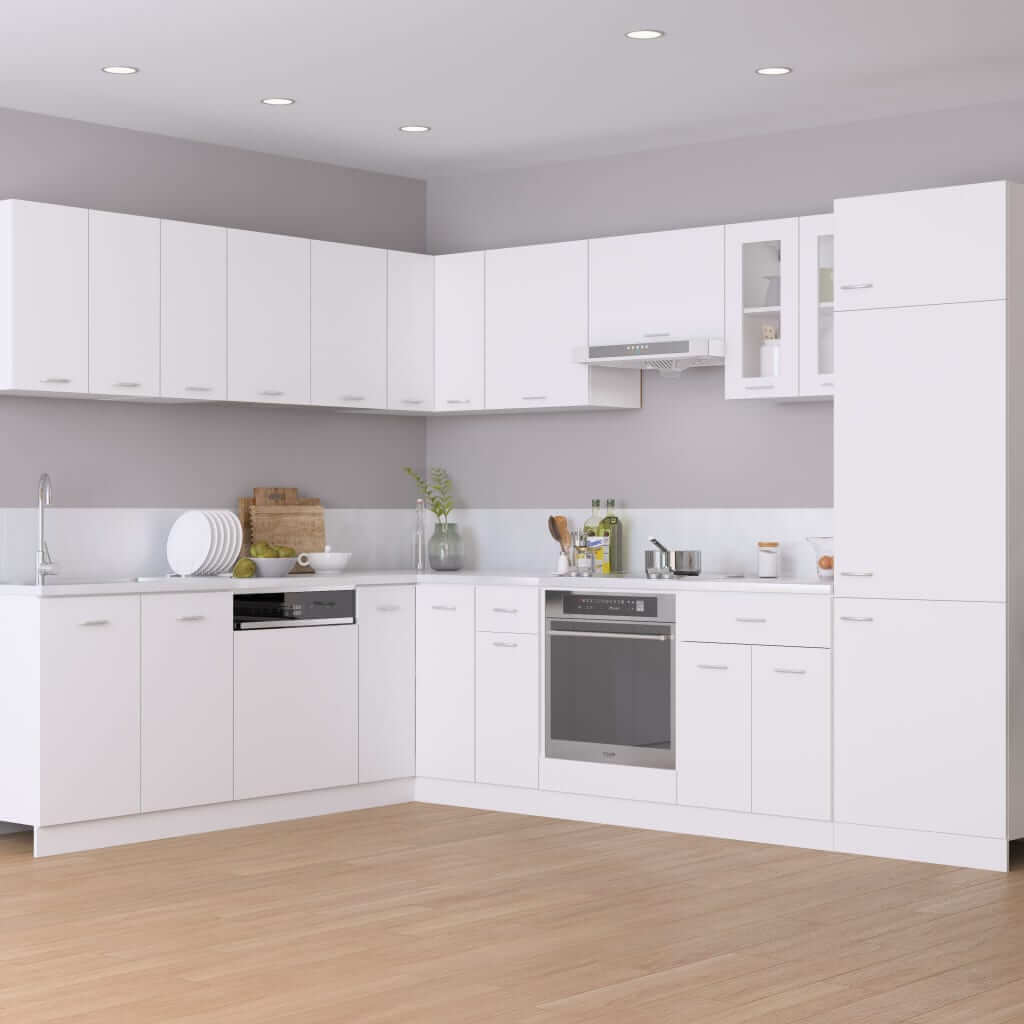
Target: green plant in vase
{"points": [[445, 547]]}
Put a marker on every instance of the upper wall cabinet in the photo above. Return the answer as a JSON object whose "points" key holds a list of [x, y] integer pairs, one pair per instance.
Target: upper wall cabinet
{"points": [[410, 332], [761, 311], [194, 309], [922, 248], [268, 318], [459, 332], [44, 297], [124, 305], [662, 286], [817, 308], [349, 325]]}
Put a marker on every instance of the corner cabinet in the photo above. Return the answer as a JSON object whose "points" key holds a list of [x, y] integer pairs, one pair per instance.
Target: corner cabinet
{"points": [[410, 332], [459, 332]]}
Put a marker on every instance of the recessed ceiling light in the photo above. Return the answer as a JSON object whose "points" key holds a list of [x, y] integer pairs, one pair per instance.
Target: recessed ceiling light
{"points": [[781, 69], [415, 129], [278, 101], [645, 33], [120, 69]]}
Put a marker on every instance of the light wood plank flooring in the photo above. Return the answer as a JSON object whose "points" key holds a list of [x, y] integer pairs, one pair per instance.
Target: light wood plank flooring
{"points": [[422, 913]]}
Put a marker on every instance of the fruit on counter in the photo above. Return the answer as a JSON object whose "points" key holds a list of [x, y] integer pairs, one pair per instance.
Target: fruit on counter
{"points": [[261, 549], [245, 568], [826, 562]]}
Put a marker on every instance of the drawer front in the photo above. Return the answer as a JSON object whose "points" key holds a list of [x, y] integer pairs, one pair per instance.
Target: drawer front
{"points": [[782, 620], [507, 609]]}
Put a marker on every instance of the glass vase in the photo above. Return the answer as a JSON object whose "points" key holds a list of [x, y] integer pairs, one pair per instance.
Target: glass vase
{"points": [[445, 548]]}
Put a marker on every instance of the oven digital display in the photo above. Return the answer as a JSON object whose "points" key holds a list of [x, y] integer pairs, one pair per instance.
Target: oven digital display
{"points": [[610, 604]]}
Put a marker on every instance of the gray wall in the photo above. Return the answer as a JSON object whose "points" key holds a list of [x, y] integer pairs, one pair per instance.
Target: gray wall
{"points": [[123, 454], [688, 447]]}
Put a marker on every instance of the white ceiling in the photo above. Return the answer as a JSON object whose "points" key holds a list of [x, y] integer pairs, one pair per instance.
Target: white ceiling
{"points": [[502, 83]]}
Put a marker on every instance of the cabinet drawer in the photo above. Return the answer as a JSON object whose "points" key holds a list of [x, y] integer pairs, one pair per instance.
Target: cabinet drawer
{"points": [[783, 620], [507, 609]]}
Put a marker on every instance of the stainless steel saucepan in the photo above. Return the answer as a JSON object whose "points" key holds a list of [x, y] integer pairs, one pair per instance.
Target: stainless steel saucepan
{"points": [[678, 562]]}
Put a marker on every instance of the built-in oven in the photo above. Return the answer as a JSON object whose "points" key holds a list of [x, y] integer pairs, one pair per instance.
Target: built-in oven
{"points": [[609, 669]]}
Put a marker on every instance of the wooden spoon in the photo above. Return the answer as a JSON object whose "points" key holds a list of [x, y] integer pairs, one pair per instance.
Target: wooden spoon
{"points": [[563, 533], [553, 530]]}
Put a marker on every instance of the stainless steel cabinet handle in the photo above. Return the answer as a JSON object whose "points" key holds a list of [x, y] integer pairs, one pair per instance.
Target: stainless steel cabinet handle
{"points": [[412, 401], [127, 384], [271, 393], [791, 671], [197, 387], [606, 636], [506, 611], [856, 618], [191, 618], [55, 380], [659, 334], [534, 398], [444, 607], [715, 668], [739, 619], [388, 607], [456, 401], [504, 643], [857, 573], [856, 287], [759, 387], [353, 398], [827, 384], [95, 622]]}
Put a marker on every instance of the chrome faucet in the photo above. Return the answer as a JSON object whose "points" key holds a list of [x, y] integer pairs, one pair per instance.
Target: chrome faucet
{"points": [[45, 566]]}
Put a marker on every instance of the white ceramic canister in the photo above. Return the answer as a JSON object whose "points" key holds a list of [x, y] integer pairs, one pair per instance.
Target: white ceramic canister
{"points": [[768, 559]]}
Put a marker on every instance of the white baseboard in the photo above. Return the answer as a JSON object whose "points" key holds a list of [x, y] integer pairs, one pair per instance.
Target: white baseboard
{"points": [[141, 828], [928, 847]]}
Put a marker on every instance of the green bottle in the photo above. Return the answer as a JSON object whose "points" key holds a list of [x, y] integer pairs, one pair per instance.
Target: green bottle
{"points": [[611, 528], [592, 533]]}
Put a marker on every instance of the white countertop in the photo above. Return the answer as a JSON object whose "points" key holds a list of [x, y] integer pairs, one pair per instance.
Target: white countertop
{"points": [[168, 585]]}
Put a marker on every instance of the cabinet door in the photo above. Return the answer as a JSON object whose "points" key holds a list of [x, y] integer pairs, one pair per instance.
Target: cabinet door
{"points": [[268, 318], [187, 700], [713, 726], [89, 709], [387, 683], [920, 452], [349, 325], [536, 313], [46, 277], [661, 286], [919, 248], [410, 332], [920, 715], [194, 305], [817, 306], [296, 719], [507, 709], [762, 317], [791, 730], [445, 682], [459, 331], [124, 305]]}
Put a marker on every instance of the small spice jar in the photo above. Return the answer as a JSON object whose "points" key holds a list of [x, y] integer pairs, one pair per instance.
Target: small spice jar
{"points": [[768, 559]]}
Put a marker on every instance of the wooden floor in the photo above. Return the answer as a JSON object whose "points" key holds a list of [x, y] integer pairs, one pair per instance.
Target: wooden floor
{"points": [[423, 913]]}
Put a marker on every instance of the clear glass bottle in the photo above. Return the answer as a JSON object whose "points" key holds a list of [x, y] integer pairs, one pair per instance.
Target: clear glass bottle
{"points": [[592, 536], [611, 530], [419, 542]]}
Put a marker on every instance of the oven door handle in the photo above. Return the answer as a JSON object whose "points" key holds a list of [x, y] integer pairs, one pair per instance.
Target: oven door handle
{"points": [[612, 636]]}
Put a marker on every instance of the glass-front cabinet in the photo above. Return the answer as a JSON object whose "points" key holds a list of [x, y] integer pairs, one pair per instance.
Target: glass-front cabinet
{"points": [[762, 318], [817, 305]]}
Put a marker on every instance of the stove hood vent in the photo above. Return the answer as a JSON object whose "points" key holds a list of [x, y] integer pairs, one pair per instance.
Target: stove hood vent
{"points": [[668, 358]]}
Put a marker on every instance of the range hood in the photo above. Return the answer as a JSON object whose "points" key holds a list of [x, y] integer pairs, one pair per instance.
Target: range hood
{"points": [[669, 358]]}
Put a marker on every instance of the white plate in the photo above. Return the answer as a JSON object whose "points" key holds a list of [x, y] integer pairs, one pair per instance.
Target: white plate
{"points": [[216, 543], [232, 540], [188, 543]]}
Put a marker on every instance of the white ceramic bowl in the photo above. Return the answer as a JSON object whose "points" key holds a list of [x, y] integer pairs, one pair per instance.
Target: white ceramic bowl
{"points": [[274, 566], [326, 563]]}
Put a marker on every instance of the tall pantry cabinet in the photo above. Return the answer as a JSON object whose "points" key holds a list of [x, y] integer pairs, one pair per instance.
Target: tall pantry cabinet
{"points": [[928, 644]]}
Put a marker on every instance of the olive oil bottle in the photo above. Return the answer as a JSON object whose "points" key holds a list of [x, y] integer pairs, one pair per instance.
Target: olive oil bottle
{"points": [[592, 535], [611, 530]]}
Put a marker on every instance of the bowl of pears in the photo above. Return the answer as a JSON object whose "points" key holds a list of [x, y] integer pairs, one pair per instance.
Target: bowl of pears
{"points": [[267, 560]]}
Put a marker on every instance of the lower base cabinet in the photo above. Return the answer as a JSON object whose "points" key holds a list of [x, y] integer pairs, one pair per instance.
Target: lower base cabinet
{"points": [[296, 711], [508, 709], [89, 709]]}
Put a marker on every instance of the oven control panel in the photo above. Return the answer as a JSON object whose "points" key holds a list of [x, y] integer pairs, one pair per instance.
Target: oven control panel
{"points": [[619, 605]]}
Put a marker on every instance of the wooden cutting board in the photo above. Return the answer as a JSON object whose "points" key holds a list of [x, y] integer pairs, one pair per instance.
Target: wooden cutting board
{"points": [[295, 522]]}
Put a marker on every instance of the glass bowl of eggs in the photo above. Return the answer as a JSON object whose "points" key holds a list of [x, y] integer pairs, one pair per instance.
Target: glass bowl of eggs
{"points": [[824, 556]]}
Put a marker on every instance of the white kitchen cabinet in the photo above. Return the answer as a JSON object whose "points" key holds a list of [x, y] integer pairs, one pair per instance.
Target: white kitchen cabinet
{"points": [[124, 305], [817, 305], [762, 317], [923, 247], [507, 709], [920, 452], [187, 700], [44, 297], [536, 311], [508, 609], [410, 332], [296, 709], [268, 318], [89, 708], [920, 715], [713, 725], [387, 682], [459, 332], [659, 286], [791, 732], [349, 325], [194, 311], [445, 682]]}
